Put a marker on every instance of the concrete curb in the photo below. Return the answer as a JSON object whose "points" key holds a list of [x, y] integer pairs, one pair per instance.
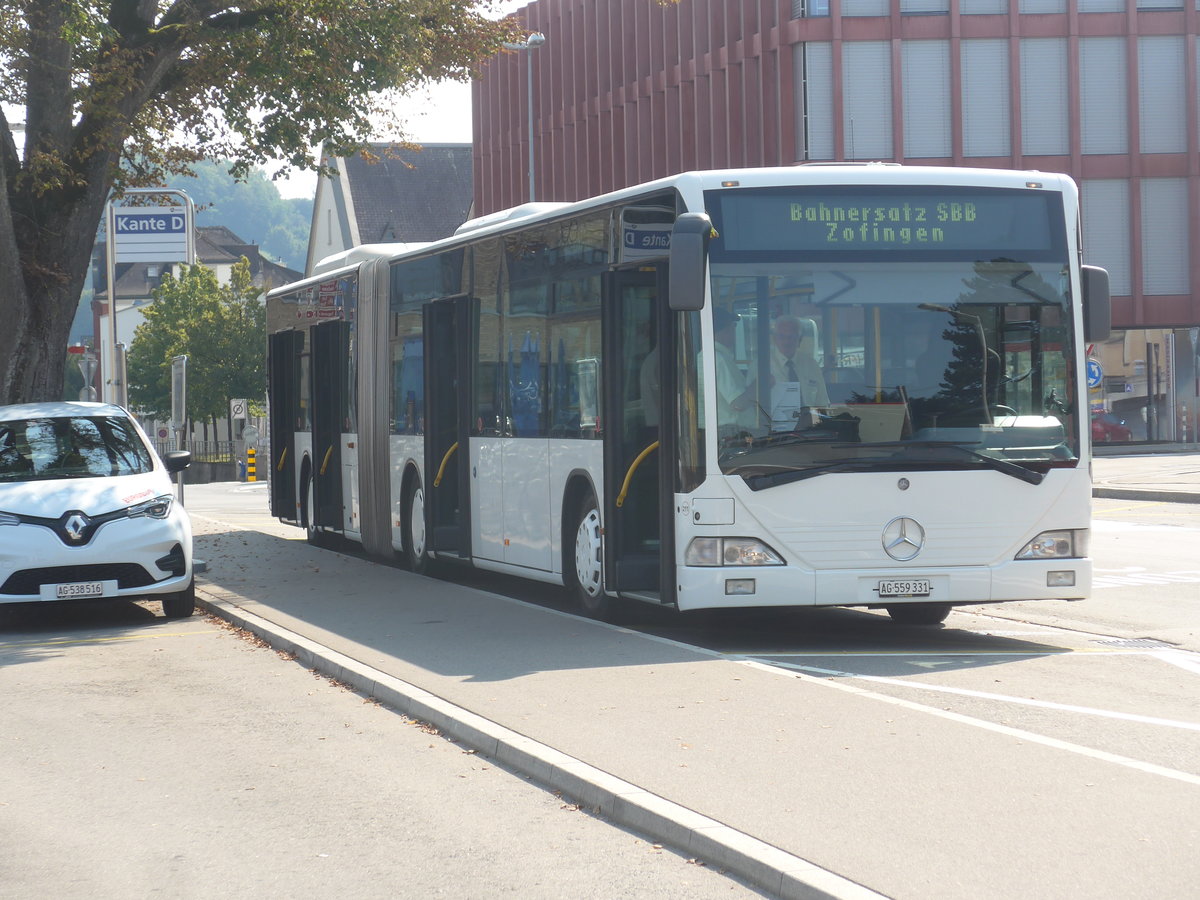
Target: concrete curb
{"points": [[1115, 493], [761, 864]]}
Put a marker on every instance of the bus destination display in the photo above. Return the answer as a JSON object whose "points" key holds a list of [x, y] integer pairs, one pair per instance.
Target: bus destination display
{"points": [[883, 222]]}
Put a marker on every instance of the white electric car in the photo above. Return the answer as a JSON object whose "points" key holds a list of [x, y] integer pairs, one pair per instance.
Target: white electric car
{"points": [[88, 510]]}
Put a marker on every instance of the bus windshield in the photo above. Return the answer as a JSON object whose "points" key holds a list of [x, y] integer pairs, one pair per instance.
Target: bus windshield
{"points": [[904, 328]]}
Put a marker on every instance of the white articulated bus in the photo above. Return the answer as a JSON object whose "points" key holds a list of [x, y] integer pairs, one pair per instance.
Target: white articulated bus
{"points": [[824, 385]]}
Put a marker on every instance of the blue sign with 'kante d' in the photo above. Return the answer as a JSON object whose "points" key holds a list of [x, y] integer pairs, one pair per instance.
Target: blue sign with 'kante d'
{"points": [[150, 235]]}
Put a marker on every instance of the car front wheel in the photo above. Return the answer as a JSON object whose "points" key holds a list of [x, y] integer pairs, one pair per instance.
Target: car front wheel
{"points": [[180, 604]]}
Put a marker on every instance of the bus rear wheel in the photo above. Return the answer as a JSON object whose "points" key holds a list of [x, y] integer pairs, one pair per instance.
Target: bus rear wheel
{"points": [[919, 613], [587, 580], [416, 549]]}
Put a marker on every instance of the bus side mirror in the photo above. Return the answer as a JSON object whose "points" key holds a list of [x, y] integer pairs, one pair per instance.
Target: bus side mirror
{"points": [[1097, 307], [689, 254]]}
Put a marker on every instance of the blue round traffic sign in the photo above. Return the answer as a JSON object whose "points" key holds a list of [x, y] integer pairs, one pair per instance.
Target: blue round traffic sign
{"points": [[1095, 374]]}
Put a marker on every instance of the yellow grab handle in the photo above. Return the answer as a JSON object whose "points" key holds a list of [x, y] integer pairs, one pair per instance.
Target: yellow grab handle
{"points": [[442, 467], [282, 457], [633, 468], [325, 461]]}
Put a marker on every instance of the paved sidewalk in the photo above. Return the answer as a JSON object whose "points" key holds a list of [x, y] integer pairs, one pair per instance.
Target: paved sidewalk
{"points": [[1170, 477]]}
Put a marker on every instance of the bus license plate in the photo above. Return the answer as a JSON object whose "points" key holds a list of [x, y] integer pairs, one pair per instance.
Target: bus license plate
{"points": [[913, 587], [80, 589]]}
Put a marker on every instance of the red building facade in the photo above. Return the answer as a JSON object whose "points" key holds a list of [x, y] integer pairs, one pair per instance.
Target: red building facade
{"points": [[625, 91]]}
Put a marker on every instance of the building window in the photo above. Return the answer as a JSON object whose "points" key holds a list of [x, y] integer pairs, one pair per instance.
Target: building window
{"points": [[814, 96], [1103, 100], [866, 8], [926, 77], [1044, 113], [986, 120], [1162, 94], [1105, 206], [867, 99], [1165, 236], [983, 7]]}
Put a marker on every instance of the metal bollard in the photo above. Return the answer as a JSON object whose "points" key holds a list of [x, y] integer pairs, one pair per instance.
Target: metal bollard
{"points": [[250, 465]]}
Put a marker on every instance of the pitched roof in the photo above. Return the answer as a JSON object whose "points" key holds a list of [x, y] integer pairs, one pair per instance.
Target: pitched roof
{"points": [[410, 194]]}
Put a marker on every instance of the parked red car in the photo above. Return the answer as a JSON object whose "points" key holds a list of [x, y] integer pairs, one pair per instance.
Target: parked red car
{"points": [[1107, 427]]}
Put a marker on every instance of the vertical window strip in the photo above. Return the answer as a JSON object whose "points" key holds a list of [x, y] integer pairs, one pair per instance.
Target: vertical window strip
{"points": [[867, 99], [926, 76], [1165, 236], [813, 71], [986, 121], [1106, 232], [1045, 117], [1162, 94], [1103, 95]]}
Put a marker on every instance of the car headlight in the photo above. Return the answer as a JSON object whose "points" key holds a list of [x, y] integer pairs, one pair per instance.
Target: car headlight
{"points": [[158, 508], [735, 551], [1066, 544]]}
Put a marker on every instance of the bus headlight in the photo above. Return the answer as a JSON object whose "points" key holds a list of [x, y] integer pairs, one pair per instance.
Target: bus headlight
{"points": [[736, 551], [1066, 544]]}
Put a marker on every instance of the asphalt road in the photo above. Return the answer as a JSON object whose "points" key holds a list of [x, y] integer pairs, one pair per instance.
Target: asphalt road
{"points": [[141, 757]]}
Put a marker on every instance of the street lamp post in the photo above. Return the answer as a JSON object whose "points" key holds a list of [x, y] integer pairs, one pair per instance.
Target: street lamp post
{"points": [[535, 40]]}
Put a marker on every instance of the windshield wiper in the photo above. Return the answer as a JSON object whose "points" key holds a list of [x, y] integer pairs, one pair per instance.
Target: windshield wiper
{"points": [[758, 482], [1000, 465]]}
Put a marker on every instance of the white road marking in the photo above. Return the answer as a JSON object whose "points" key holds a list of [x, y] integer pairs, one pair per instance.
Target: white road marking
{"points": [[1055, 743], [1002, 698]]}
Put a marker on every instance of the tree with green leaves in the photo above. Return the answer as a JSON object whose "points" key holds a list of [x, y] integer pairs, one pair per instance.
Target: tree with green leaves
{"points": [[222, 329], [121, 93]]}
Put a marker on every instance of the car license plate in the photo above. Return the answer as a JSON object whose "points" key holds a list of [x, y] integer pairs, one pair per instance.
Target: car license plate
{"points": [[912, 587], [80, 589]]}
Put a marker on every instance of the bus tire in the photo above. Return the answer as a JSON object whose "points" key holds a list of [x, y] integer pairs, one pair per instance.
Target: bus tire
{"points": [[919, 613], [587, 581], [311, 532], [416, 548]]}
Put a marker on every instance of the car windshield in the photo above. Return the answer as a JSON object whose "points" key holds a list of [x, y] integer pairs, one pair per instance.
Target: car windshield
{"points": [[39, 449]]}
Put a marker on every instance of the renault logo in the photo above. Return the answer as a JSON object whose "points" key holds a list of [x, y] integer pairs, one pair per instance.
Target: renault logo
{"points": [[76, 525], [903, 538]]}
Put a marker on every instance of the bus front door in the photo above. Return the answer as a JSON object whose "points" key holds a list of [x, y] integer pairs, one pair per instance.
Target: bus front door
{"points": [[284, 350], [447, 404], [329, 366], [636, 471]]}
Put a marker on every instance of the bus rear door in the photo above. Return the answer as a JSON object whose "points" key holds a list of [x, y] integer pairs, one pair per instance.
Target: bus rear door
{"points": [[284, 350], [329, 364]]}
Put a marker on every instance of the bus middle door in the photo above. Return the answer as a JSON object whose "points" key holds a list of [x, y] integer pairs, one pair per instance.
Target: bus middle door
{"points": [[447, 405]]}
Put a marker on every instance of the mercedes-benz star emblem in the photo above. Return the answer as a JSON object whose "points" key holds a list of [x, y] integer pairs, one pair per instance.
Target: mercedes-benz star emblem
{"points": [[76, 525], [903, 538]]}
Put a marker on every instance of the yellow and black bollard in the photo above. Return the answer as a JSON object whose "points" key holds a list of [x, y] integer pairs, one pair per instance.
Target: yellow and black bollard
{"points": [[250, 454]]}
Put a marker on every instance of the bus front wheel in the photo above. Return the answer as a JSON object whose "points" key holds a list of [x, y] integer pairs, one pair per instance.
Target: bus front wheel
{"points": [[919, 613], [416, 549], [587, 572]]}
